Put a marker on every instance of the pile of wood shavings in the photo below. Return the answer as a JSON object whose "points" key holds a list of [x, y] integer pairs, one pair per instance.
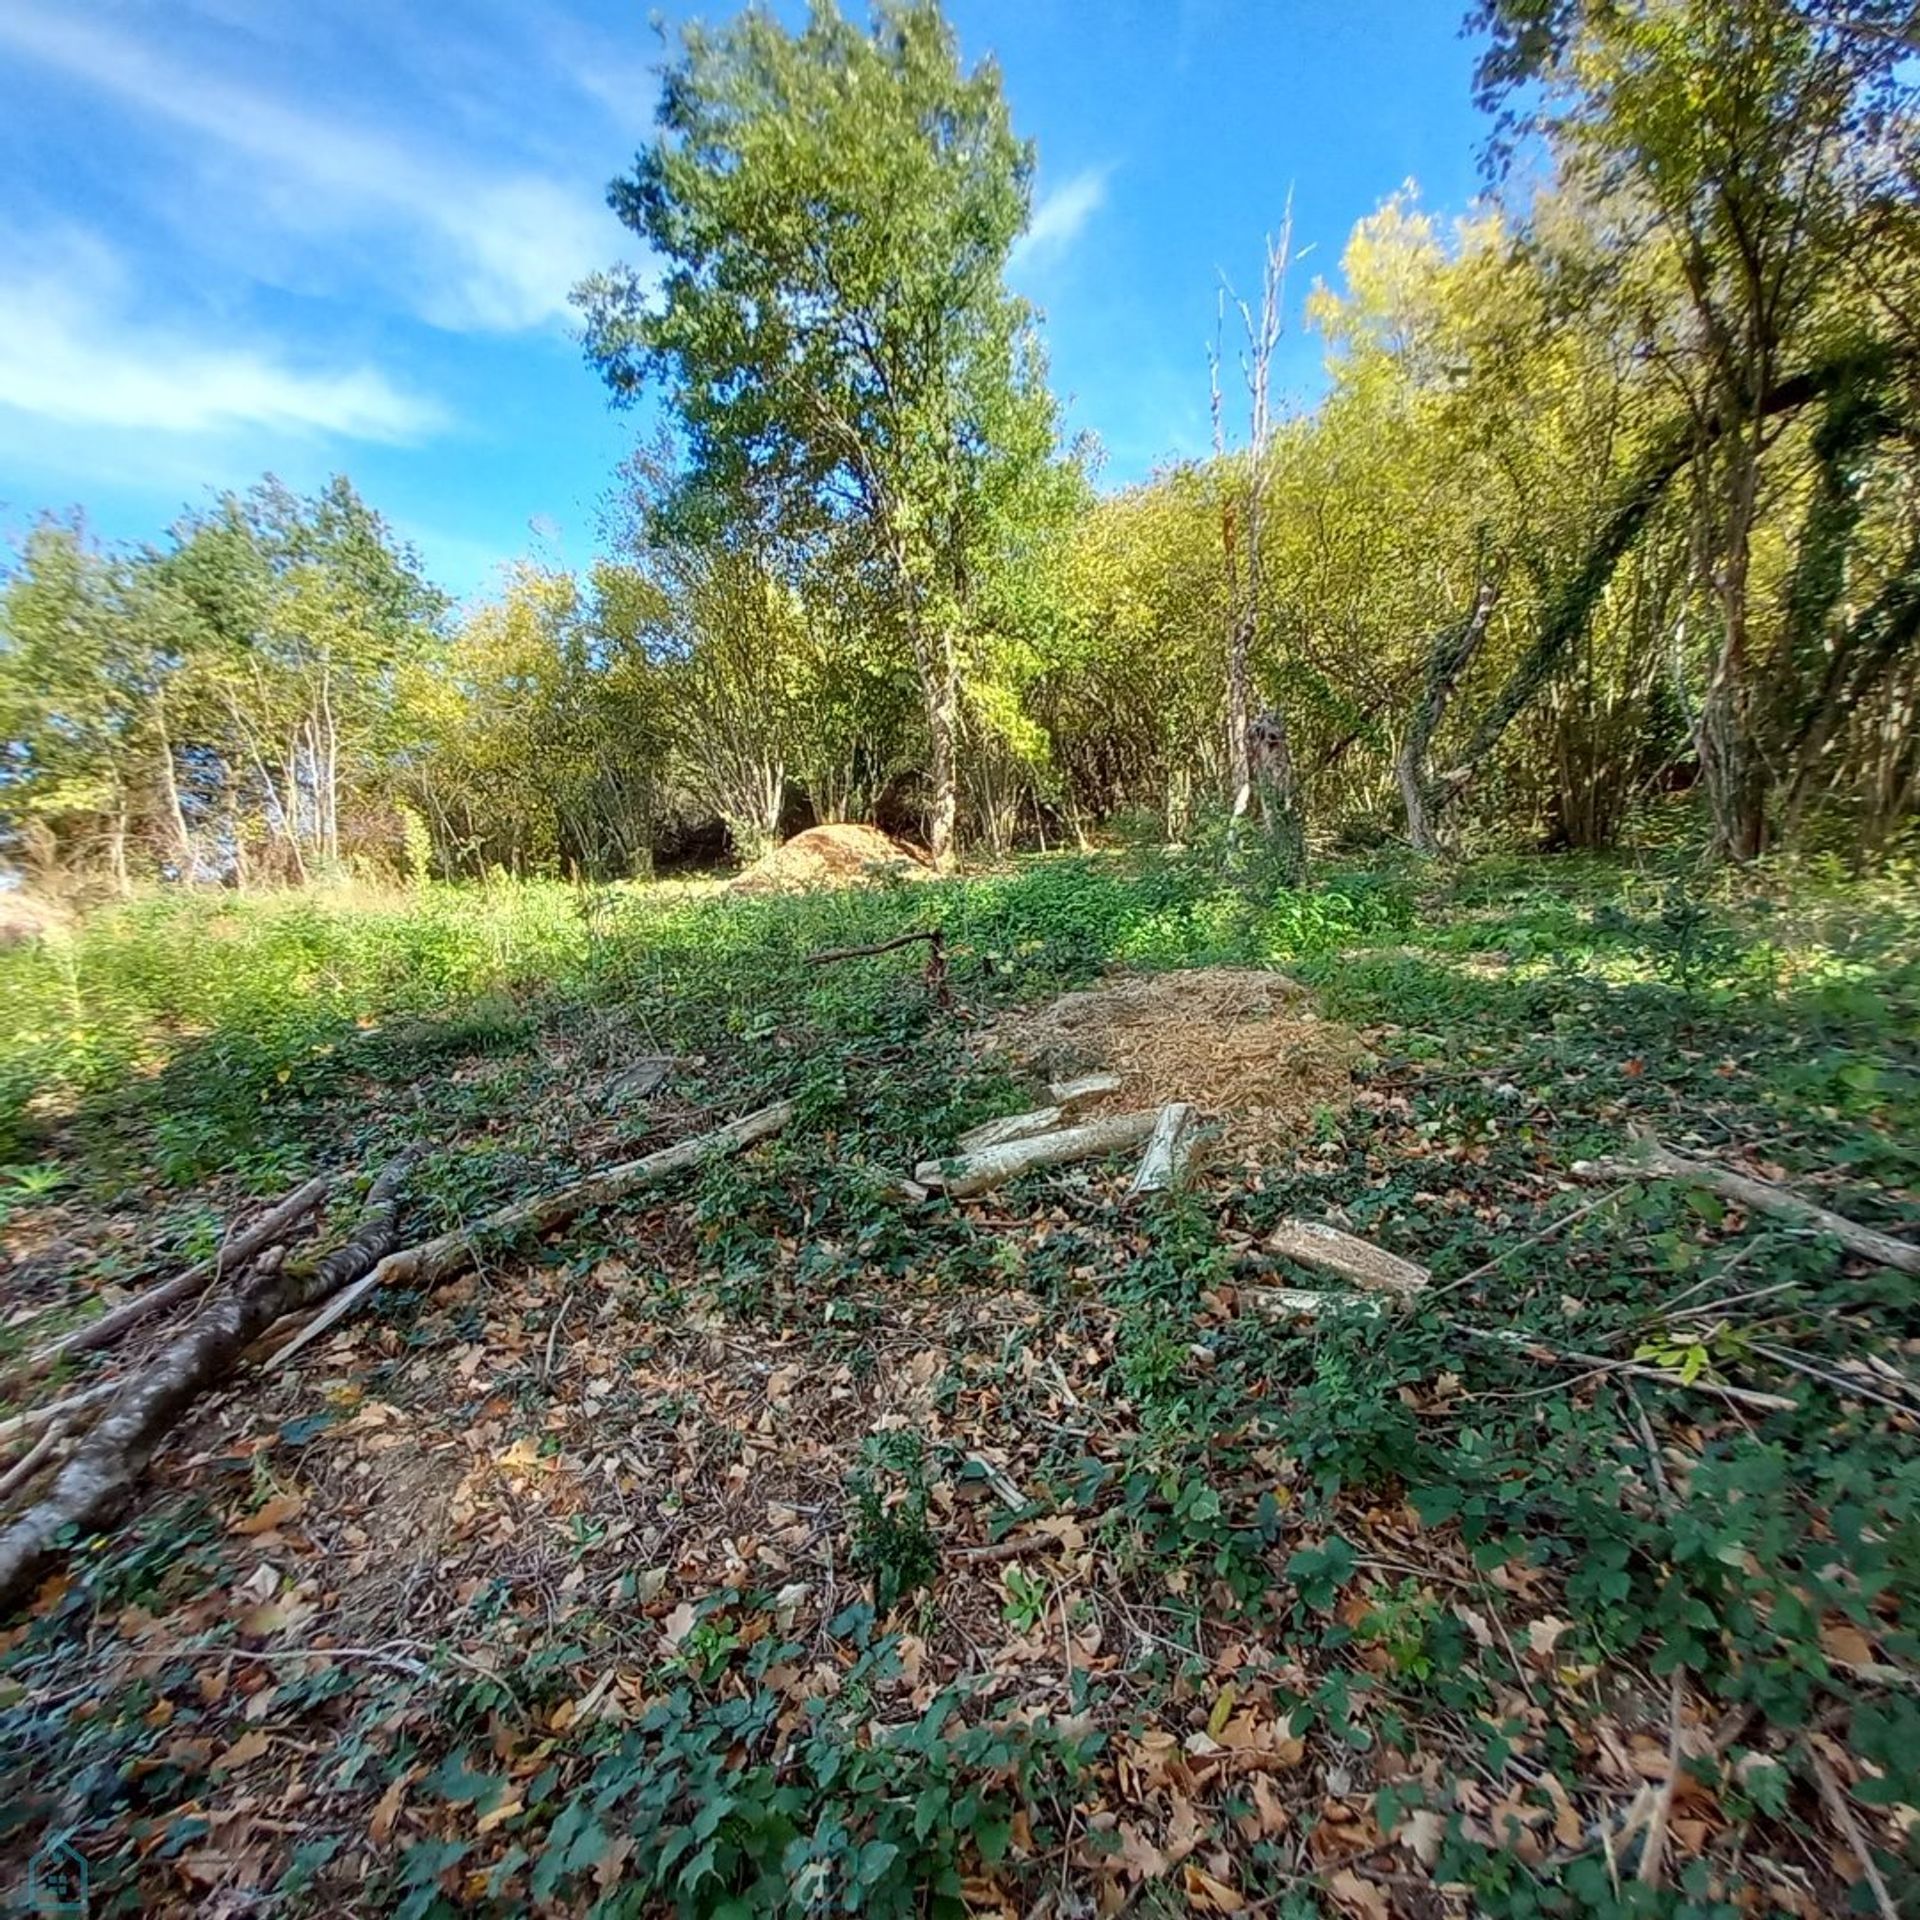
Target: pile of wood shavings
{"points": [[1244, 1046]]}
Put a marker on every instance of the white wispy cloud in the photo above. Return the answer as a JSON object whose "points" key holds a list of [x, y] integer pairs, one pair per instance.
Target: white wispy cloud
{"points": [[474, 247], [1059, 216], [78, 350]]}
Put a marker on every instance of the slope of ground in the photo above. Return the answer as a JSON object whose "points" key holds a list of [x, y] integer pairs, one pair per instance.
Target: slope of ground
{"points": [[773, 1545]]}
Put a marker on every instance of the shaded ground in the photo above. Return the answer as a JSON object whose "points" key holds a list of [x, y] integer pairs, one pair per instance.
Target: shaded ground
{"points": [[776, 1545]]}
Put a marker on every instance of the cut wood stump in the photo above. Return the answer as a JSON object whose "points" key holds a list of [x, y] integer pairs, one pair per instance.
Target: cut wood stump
{"points": [[1315, 1244]]}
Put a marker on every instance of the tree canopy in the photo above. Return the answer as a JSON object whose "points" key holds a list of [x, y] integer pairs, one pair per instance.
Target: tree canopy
{"points": [[1607, 521]]}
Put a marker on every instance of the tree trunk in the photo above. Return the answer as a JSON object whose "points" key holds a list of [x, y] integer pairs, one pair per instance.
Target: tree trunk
{"points": [[176, 815], [1454, 651], [117, 851], [942, 686], [1568, 609], [1239, 697], [1730, 758]]}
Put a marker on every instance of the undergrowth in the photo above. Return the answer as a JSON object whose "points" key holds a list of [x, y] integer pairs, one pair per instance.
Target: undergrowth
{"points": [[1250, 1475]]}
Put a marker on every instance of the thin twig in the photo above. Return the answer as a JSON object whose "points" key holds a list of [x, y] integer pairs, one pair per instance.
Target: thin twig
{"points": [[553, 1334], [1662, 1485], [1839, 1382], [827, 955], [1653, 1850], [1835, 1797], [37, 1456], [1520, 1246]]}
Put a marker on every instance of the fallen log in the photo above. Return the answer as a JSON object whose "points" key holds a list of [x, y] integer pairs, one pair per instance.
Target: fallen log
{"points": [[975, 1172], [1656, 1162], [272, 1226], [1068, 1097], [35, 1418], [1088, 1086], [1315, 1244], [434, 1261], [104, 1470], [1169, 1149]]}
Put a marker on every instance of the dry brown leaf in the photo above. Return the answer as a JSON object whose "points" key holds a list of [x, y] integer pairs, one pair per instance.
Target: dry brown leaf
{"points": [[1421, 1833], [1844, 1644], [1205, 1894], [1544, 1634], [1184, 1830], [1358, 1896], [387, 1810], [244, 1751], [272, 1513]]}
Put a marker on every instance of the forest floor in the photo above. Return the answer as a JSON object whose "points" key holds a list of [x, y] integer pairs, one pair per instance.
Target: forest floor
{"points": [[779, 1543]]}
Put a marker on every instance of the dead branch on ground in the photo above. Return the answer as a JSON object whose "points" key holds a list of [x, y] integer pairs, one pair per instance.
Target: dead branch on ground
{"points": [[933, 936], [1656, 1162], [434, 1261], [106, 1468], [272, 1227], [936, 974]]}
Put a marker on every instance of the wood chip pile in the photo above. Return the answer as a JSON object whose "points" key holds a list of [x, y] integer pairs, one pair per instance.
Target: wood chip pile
{"points": [[1243, 1046], [840, 855]]}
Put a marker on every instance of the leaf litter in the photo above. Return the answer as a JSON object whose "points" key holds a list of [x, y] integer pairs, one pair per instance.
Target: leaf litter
{"points": [[430, 1573]]}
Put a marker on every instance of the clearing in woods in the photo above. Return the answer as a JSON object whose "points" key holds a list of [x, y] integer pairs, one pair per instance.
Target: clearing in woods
{"points": [[780, 1536]]}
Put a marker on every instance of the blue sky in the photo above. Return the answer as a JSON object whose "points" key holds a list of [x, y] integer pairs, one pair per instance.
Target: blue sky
{"points": [[252, 235]]}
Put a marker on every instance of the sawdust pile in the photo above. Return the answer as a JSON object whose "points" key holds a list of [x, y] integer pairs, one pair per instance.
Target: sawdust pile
{"points": [[1243, 1046], [834, 856]]}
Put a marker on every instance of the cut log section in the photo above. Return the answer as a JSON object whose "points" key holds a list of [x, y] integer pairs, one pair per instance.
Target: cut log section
{"points": [[1297, 1303], [1360, 1262], [1652, 1161], [1089, 1086], [1068, 1097], [1169, 1150], [975, 1172], [1010, 1126]]}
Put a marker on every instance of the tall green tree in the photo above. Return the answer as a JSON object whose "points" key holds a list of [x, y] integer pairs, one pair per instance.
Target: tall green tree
{"points": [[1756, 156], [831, 212]]}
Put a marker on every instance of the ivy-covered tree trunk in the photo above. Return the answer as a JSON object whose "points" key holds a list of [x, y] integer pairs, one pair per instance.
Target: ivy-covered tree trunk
{"points": [[1731, 763], [1454, 651], [1277, 786]]}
